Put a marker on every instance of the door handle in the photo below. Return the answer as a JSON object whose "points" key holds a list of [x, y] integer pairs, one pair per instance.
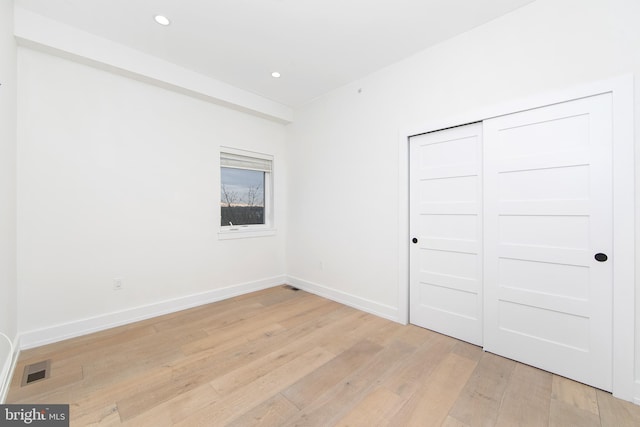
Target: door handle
{"points": [[414, 240], [600, 257]]}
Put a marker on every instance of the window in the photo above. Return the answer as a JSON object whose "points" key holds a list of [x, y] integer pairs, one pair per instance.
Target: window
{"points": [[245, 193]]}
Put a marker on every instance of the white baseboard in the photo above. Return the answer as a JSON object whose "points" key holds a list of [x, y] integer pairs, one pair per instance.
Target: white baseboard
{"points": [[5, 381], [64, 331], [636, 395], [381, 310]]}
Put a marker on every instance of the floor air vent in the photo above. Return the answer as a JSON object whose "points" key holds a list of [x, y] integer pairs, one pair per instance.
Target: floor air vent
{"points": [[36, 372]]}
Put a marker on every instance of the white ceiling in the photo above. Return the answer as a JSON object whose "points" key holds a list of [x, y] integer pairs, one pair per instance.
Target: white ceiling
{"points": [[317, 45]]}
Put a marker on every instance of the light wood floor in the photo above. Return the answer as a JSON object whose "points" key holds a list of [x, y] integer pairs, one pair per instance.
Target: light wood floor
{"points": [[284, 358]]}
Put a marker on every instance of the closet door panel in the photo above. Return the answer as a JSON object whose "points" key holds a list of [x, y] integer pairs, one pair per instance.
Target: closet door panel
{"points": [[445, 220], [547, 213]]}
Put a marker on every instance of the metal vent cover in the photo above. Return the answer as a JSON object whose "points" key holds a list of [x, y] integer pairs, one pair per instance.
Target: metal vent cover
{"points": [[36, 372]]}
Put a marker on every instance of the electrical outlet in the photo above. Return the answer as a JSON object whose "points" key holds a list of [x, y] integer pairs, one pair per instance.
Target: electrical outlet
{"points": [[117, 284]]}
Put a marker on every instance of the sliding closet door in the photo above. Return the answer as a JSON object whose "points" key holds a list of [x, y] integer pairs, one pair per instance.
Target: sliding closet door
{"points": [[548, 238], [446, 228]]}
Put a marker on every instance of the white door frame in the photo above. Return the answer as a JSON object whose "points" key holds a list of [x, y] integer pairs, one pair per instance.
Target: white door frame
{"points": [[622, 92]]}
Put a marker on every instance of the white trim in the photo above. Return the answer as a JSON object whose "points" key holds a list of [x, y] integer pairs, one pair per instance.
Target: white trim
{"points": [[6, 366], [636, 398], [5, 383], [624, 209], [380, 310], [403, 228], [64, 331], [623, 239], [227, 233], [44, 34], [246, 153]]}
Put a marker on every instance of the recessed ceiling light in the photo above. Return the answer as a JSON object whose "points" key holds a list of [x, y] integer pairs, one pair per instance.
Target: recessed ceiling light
{"points": [[162, 20], [275, 75]]}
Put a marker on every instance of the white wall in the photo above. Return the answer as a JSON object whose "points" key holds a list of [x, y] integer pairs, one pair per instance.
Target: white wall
{"points": [[118, 178], [7, 182], [343, 147]]}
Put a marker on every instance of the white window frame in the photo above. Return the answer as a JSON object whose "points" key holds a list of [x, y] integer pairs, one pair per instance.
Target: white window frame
{"points": [[249, 230]]}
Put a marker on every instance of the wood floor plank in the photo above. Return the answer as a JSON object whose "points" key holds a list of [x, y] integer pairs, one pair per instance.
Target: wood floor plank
{"points": [[453, 422], [527, 398], [414, 335], [169, 411], [470, 351], [414, 371], [129, 358], [272, 313], [106, 417], [230, 354], [366, 326], [270, 413], [215, 363], [95, 405], [375, 409], [617, 413], [149, 398], [307, 389], [243, 331], [431, 404], [311, 313], [480, 399], [248, 373], [279, 357], [230, 406], [562, 414], [330, 406], [574, 394]]}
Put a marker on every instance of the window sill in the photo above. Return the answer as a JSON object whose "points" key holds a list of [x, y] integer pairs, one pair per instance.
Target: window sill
{"points": [[244, 233]]}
